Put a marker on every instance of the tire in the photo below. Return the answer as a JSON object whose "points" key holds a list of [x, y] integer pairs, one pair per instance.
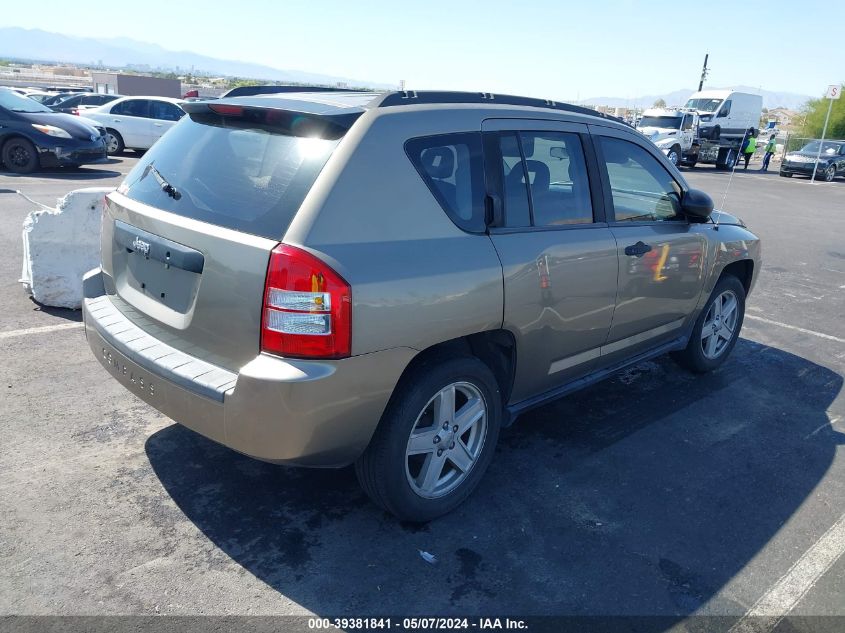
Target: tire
{"points": [[785, 174], [674, 155], [729, 160], [690, 164], [829, 173], [19, 156], [699, 356], [114, 142], [393, 473]]}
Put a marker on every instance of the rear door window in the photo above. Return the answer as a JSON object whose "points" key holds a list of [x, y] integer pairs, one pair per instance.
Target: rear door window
{"points": [[451, 165], [544, 179], [165, 111], [133, 107], [250, 179]]}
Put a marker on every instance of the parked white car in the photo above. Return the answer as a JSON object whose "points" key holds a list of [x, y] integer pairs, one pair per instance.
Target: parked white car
{"points": [[136, 122]]}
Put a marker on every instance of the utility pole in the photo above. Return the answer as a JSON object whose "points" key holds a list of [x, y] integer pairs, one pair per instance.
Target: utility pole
{"points": [[704, 70], [833, 92]]}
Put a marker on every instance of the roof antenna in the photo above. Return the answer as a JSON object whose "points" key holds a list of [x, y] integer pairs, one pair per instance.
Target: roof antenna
{"points": [[748, 132]]}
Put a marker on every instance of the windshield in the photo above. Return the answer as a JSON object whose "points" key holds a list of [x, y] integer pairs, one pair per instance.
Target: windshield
{"points": [[244, 178], [39, 97], [828, 148], [18, 103], [704, 105], [673, 122]]}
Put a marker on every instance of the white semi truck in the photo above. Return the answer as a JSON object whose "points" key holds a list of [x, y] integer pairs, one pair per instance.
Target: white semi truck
{"points": [[708, 129]]}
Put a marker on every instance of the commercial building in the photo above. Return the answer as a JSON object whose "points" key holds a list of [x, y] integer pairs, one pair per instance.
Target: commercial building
{"points": [[135, 85]]}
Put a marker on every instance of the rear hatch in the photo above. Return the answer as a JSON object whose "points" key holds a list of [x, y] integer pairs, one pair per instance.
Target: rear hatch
{"points": [[187, 237]]}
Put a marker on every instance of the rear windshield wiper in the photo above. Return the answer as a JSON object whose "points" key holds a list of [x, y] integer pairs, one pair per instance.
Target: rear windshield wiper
{"points": [[166, 187]]}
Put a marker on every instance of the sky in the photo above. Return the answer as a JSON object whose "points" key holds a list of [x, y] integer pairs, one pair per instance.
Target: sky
{"points": [[544, 48]]}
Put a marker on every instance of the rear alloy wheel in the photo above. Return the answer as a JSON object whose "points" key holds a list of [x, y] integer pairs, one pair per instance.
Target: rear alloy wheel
{"points": [[434, 441], [20, 156], [114, 142], [829, 173], [717, 328]]}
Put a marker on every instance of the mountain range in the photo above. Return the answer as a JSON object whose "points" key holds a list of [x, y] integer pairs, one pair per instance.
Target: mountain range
{"points": [[119, 52], [789, 100]]}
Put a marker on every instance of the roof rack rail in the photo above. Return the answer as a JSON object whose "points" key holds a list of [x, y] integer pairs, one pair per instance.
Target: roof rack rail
{"points": [[416, 97], [266, 89]]}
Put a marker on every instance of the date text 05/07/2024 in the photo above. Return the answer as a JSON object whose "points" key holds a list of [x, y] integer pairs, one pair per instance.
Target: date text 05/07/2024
{"points": [[419, 623]]}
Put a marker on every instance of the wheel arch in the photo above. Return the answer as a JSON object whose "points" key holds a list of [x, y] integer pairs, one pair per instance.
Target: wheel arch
{"points": [[494, 348], [742, 269], [13, 135]]}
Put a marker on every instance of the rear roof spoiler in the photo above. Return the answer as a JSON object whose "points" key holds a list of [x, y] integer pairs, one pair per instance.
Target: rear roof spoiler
{"points": [[285, 117], [249, 91]]}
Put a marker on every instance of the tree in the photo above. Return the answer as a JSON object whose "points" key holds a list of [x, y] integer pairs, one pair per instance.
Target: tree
{"points": [[814, 114], [660, 103]]}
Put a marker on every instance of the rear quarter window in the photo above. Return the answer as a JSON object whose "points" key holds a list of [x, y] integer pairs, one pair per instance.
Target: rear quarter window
{"points": [[451, 165]]}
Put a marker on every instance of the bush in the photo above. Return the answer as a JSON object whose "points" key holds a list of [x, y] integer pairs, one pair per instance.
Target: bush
{"points": [[816, 111]]}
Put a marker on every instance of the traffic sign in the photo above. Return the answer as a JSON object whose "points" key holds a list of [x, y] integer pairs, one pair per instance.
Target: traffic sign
{"points": [[834, 91]]}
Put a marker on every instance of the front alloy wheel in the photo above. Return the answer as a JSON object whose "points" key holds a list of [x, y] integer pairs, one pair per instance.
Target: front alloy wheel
{"points": [[717, 328], [719, 325], [674, 156], [19, 156]]}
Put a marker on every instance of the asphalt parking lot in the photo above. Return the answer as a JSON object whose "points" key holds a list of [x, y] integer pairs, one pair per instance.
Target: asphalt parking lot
{"points": [[654, 493]]}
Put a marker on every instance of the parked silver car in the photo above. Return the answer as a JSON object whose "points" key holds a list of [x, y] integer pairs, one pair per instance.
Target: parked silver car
{"points": [[387, 280]]}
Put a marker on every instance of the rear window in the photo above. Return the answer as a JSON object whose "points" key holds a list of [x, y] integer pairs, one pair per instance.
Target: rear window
{"points": [[451, 165], [250, 179]]}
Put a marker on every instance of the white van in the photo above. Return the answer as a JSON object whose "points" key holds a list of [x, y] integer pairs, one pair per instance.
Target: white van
{"points": [[725, 113]]}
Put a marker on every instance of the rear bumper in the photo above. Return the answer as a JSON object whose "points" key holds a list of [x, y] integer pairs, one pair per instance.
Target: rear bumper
{"points": [[309, 413]]}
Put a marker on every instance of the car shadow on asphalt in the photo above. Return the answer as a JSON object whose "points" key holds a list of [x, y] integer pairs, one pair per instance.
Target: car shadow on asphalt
{"points": [[644, 494], [69, 173]]}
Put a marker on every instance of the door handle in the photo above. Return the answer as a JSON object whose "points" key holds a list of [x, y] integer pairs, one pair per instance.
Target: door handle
{"points": [[116, 120], [157, 124], [637, 250]]}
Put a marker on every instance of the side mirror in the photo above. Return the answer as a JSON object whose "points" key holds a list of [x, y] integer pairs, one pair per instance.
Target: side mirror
{"points": [[559, 153], [697, 205]]}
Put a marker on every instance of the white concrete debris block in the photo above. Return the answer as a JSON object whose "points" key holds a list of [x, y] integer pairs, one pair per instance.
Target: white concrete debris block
{"points": [[62, 244]]}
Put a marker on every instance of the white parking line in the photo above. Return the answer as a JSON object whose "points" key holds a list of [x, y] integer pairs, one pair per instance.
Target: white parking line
{"points": [[40, 330], [829, 337], [788, 591]]}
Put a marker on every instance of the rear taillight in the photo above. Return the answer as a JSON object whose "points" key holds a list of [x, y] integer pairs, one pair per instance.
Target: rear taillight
{"points": [[307, 310], [225, 109], [75, 111]]}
